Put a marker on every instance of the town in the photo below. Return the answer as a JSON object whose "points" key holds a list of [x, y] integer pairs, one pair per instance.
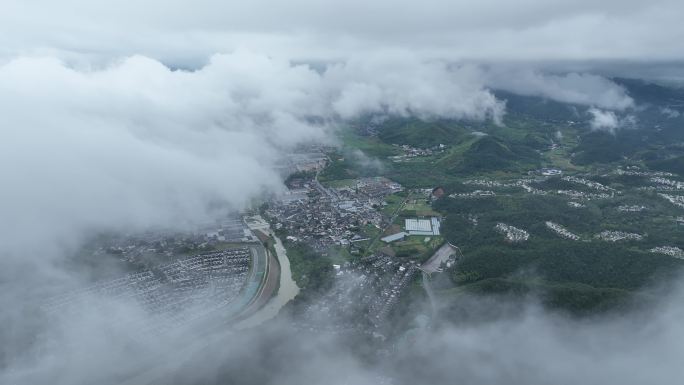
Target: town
{"points": [[323, 217]]}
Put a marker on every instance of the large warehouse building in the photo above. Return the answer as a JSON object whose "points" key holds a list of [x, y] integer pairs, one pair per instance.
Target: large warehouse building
{"points": [[426, 227]]}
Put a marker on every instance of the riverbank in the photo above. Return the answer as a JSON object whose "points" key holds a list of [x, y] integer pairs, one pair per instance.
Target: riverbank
{"points": [[287, 287]]}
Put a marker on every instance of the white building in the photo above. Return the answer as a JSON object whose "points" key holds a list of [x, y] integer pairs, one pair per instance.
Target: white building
{"points": [[425, 227], [393, 237]]}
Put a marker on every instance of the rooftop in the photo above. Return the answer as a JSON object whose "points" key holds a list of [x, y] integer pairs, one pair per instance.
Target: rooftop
{"points": [[418, 224]]}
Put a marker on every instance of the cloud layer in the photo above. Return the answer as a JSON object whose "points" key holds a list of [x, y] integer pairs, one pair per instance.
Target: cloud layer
{"points": [[135, 144], [187, 32], [506, 342], [132, 144], [575, 88]]}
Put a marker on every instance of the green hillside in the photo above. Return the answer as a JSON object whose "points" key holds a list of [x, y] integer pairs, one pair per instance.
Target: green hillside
{"points": [[485, 154], [493, 154], [673, 165], [419, 133]]}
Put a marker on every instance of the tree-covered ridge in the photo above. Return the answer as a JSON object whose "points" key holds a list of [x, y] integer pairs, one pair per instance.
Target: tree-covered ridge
{"points": [[577, 275]]}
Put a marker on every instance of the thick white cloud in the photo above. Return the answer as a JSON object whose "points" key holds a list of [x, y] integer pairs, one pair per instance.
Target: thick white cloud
{"points": [[534, 347], [609, 121], [670, 112], [118, 137], [603, 120], [400, 84], [133, 144], [137, 144], [506, 342], [576, 88]]}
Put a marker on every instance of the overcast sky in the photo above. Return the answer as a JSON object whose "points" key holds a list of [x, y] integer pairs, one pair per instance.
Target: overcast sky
{"points": [[187, 32]]}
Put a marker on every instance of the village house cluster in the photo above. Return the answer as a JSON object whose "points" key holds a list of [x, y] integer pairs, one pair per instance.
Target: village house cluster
{"points": [[474, 194], [512, 233], [173, 294], [134, 248], [574, 194], [665, 187], [631, 208], [636, 171], [668, 183], [604, 192], [415, 152], [601, 191], [615, 236], [484, 183], [669, 250], [496, 184], [589, 183], [562, 231], [532, 190], [677, 200]]}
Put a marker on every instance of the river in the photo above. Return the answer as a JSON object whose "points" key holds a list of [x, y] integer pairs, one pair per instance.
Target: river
{"points": [[288, 288]]}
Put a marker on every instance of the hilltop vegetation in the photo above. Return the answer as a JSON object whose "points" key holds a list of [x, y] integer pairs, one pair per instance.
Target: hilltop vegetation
{"points": [[490, 153], [468, 151], [575, 275], [419, 133], [674, 165]]}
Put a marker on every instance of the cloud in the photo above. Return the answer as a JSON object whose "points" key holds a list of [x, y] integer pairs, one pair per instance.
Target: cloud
{"points": [[574, 88], [603, 120], [531, 346], [488, 341], [558, 135], [670, 112], [135, 144], [125, 147], [131, 144], [498, 341], [369, 165], [404, 85], [185, 33]]}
